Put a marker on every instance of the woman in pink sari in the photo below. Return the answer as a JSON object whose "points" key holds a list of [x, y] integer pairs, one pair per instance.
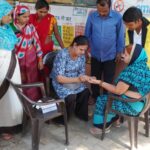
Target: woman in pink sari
{"points": [[28, 49]]}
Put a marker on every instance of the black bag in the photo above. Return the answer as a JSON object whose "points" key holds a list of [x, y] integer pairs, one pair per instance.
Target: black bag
{"points": [[48, 59]]}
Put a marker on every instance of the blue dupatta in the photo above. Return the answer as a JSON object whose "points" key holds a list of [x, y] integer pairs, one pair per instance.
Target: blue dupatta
{"points": [[7, 36]]}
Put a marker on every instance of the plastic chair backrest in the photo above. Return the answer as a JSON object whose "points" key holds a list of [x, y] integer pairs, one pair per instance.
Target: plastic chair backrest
{"points": [[49, 58], [25, 101]]}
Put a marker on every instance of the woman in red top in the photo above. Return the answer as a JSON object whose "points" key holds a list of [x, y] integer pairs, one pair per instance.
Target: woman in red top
{"points": [[46, 25]]}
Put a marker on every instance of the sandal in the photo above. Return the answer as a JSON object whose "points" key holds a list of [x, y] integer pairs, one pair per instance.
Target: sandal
{"points": [[7, 136]]}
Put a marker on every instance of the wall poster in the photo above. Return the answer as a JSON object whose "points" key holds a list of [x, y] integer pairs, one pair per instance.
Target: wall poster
{"points": [[71, 19]]}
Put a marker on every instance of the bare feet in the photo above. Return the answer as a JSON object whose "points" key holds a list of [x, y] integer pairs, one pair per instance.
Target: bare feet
{"points": [[7, 136], [96, 131], [117, 123]]}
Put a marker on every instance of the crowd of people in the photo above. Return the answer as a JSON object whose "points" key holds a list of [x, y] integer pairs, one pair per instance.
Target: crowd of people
{"points": [[26, 38]]}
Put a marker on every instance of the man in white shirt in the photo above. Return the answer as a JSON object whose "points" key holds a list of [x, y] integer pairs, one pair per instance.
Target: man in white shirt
{"points": [[138, 28]]}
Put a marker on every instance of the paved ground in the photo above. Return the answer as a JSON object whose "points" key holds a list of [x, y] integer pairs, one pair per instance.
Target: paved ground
{"points": [[52, 138]]}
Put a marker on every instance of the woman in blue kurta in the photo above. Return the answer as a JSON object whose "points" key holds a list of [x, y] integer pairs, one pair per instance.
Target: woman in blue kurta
{"points": [[68, 77], [133, 82]]}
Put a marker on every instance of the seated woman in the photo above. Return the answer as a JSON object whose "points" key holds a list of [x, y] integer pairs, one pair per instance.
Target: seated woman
{"points": [[133, 82], [10, 107], [68, 77]]}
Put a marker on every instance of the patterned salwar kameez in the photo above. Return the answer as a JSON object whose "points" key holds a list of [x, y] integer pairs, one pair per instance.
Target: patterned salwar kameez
{"points": [[137, 75], [64, 65]]}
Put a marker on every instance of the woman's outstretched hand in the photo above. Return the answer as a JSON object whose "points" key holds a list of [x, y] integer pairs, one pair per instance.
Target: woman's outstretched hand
{"points": [[93, 80]]}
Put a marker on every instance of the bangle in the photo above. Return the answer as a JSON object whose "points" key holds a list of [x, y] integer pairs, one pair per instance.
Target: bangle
{"points": [[101, 83], [39, 59]]}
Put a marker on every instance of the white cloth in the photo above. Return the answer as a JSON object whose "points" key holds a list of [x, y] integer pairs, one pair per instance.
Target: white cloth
{"points": [[11, 111], [137, 38]]}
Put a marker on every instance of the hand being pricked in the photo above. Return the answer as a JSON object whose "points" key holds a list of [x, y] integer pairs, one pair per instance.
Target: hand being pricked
{"points": [[84, 78], [93, 80]]}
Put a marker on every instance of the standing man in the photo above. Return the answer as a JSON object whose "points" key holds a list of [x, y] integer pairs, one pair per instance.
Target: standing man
{"points": [[138, 28], [105, 30]]}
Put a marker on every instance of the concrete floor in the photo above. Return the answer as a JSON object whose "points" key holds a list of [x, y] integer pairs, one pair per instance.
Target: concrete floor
{"points": [[52, 138]]}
